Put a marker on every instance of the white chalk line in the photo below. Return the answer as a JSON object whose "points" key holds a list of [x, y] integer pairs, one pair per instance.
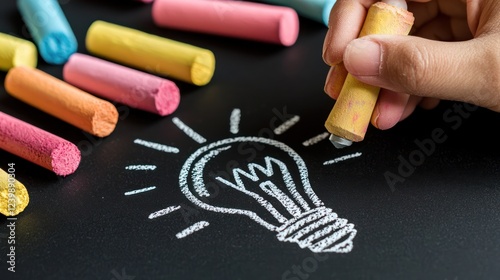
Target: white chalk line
{"points": [[311, 225], [192, 229], [156, 146], [234, 121], [140, 167], [342, 158], [140, 190], [189, 131], [286, 125], [163, 212], [316, 139]]}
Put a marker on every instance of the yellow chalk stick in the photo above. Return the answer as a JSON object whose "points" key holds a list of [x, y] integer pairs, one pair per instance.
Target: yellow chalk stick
{"points": [[15, 51], [13, 194], [351, 114], [151, 53]]}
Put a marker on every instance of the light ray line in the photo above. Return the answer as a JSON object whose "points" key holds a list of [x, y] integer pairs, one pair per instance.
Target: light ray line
{"points": [[156, 146], [192, 229], [234, 120], [286, 125], [163, 212], [189, 131], [316, 139], [140, 167], [140, 190], [342, 158]]}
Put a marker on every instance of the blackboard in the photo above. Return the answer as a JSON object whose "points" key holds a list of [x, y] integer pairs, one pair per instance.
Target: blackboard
{"points": [[419, 201]]}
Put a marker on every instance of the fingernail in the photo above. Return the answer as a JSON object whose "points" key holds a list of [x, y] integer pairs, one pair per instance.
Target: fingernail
{"points": [[362, 57], [326, 45], [375, 117]]}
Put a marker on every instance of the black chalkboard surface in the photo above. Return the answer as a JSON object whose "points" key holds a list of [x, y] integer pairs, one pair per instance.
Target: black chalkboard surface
{"points": [[178, 197]]}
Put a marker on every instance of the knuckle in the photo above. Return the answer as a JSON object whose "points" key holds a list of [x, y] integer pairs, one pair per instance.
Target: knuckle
{"points": [[491, 92], [411, 68]]}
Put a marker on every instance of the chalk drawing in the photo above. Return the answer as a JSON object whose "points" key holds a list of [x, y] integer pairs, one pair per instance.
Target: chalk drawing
{"points": [[286, 125], [140, 167], [163, 212], [302, 217], [156, 146], [234, 121], [316, 139], [140, 190], [342, 158], [188, 131], [192, 229]]}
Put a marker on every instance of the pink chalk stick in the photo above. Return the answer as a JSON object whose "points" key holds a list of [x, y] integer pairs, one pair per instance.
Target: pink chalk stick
{"points": [[122, 84], [239, 19], [38, 146]]}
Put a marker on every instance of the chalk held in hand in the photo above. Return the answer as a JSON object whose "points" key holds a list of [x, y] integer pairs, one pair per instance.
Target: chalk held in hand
{"points": [[38, 146], [350, 117], [151, 53], [122, 84], [13, 194], [318, 10], [16, 52], [50, 29], [238, 19], [62, 100]]}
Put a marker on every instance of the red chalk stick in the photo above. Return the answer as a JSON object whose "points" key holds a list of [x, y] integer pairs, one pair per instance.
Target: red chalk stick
{"points": [[122, 84], [239, 19], [38, 146]]}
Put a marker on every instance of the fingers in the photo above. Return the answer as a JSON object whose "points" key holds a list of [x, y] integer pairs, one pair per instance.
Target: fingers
{"points": [[346, 20], [389, 109], [393, 107], [463, 71], [335, 80]]}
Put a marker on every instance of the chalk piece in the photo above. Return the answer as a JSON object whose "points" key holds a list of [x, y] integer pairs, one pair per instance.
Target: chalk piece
{"points": [[62, 100], [349, 119], [16, 51], [38, 146], [122, 84], [50, 29], [318, 10], [13, 194], [239, 19], [151, 53]]}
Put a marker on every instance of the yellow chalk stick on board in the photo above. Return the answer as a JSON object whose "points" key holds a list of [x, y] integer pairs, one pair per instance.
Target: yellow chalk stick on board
{"points": [[13, 194], [351, 114], [151, 53], [15, 51]]}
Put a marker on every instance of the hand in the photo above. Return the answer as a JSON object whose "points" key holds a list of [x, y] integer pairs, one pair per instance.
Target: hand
{"points": [[453, 54]]}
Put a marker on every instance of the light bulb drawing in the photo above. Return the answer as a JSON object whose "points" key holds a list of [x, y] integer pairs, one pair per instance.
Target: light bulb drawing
{"points": [[273, 191], [272, 187]]}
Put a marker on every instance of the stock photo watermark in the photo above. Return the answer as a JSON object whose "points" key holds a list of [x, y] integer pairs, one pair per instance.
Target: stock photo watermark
{"points": [[122, 275], [424, 148], [11, 221], [304, 269]]}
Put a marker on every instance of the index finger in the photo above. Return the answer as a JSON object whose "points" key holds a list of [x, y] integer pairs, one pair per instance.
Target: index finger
{"points": [[345, 23]]}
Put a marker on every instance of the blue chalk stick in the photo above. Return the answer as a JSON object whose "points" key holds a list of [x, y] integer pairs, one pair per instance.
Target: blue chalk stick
{"points": [[50, 29], [318, 10]]}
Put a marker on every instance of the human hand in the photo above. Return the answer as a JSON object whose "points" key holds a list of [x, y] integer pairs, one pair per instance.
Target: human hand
{"points": [[452, 55]]}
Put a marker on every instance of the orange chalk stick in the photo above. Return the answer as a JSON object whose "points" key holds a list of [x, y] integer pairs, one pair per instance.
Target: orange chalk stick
{"points": [[351, 114], [62, 100]]}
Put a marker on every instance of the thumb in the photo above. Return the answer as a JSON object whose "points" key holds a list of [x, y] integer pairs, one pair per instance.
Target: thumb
{"points": [[465, 71]]}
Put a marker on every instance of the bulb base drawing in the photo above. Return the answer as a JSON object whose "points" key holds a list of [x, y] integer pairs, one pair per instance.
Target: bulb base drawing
{"points": [[319, 230]]}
